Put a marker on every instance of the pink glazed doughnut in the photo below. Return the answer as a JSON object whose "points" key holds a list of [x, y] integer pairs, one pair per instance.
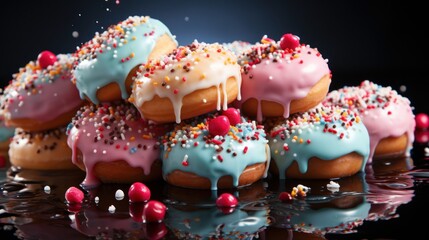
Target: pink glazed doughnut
{"points": [[386, 114], [41, 95], [281, 78], [113, 144]]}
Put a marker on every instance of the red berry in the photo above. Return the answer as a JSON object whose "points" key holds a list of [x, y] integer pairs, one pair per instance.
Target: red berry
{"points": [[138, 192], [2, 161], [233, 116], [154, 211], [46, 58], [136, 211], [289, 41], [422, 121], [74, 207], [226, 200], [219, 126], [285, 197], [422, 136], [156, 231], [74, 195]]}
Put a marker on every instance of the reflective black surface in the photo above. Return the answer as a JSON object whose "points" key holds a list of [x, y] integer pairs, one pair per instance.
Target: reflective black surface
{"points": [[389, 201]]}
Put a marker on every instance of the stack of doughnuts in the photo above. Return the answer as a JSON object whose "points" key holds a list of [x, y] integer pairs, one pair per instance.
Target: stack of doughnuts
{"points": [[202, 115], [283, 85], [109, 139], [138, 81], [39, 102]]}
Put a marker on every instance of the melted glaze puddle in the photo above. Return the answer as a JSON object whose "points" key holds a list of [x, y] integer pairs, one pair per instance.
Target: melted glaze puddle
{"points": [[32, 206]]}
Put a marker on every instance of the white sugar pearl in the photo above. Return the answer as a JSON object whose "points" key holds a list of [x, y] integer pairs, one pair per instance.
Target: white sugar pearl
{"points": [[112, 209], [119, 194]]}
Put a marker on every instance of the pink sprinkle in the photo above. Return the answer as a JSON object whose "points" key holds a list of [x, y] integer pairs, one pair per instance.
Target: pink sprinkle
{"points": [[245, 149], [220, 158], [74, 195]]}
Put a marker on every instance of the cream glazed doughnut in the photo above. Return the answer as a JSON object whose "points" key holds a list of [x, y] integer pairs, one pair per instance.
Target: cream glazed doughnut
{"points": [[41, 95], [193, 80], [215, 152], [112, 143], [322, 143], [46, 150], [386, 114], [107, 63], [280, 78]]}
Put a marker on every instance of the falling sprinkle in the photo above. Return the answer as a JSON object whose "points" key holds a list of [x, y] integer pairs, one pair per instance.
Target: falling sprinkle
{"points": [[403, 88], [426, 151], [75, 34], [119, 194], [97, 199], [117, 2], [47, 189], [186, 19], [80, 14], [107, 9], [112, 209]]}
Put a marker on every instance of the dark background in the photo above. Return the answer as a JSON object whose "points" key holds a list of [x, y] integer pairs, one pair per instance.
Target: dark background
{"points": [[377, 40]]}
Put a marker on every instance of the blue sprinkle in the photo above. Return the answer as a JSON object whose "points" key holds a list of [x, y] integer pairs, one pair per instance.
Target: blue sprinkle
{"points": [[133, 150]]}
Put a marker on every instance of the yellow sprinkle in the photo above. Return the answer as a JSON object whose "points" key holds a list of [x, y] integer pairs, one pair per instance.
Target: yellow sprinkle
{"points": [[155, 83], [203, 76], [132, 55], [146, 136], [132, 138], [167, 78], [294, 192], [296, 56], [276, 151], [134, 38], [295, 137], [301, 140], [131, 99], [357, 119]]}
